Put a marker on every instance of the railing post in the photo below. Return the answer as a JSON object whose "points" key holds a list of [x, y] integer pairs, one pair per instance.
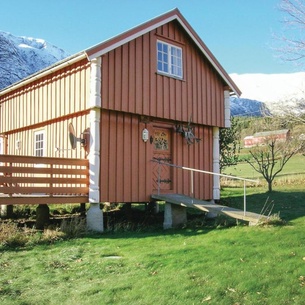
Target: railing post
{"points": [[51, 181], [192, 170], [159, 176], [245, 203], [11, 175], [192, 183]]}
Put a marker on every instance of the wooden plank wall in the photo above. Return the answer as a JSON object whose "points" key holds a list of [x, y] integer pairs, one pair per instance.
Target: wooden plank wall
{"points": [[199, 156], [63, 92], [130, 81], [57, 138], [126, 167], [125, 161], [48, 104]]}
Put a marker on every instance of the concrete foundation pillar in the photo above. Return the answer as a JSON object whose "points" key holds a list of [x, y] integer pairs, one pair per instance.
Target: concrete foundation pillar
{"points": [[6, 211], [42, 216], [174, 216], [95, 221]]}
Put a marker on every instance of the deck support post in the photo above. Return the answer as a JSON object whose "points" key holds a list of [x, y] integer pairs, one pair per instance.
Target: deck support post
{"points": [[42, 216], [174, 216], [95, 214]]}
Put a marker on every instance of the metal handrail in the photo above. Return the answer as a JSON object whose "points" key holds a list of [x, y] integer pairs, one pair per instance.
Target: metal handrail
{"points": [[192, 170]]}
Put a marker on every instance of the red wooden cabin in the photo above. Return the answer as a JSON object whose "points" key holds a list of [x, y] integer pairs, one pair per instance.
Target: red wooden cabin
{"points": [[138, 97]]}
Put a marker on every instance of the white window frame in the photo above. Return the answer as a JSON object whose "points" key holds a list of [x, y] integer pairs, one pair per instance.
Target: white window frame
{"points": [[169, 61], [42, 141]]}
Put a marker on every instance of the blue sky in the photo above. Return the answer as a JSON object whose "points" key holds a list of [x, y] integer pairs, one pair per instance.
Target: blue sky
{"points": [[238, 32]]}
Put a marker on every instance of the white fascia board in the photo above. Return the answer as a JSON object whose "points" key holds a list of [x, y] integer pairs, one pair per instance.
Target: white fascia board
{"points": [[43, 73], [207, 55], [131, 37], [152, 27]]}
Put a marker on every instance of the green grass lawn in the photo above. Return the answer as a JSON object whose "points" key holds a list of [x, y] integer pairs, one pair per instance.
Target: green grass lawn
{"points": [[295, 166], [209, 264]]}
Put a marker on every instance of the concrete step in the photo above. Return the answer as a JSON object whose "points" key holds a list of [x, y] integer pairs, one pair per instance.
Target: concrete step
{"points": [[182, 200]]}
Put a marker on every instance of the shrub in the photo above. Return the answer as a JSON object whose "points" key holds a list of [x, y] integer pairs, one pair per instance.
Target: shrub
{"points": [[11, 236], [273, 220], [74, 227]]}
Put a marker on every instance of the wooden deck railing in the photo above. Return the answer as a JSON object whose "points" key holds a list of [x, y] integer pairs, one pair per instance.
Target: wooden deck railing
{"points": [[42, 180]]}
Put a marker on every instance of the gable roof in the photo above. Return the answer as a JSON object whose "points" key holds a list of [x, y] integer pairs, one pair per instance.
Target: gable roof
{"points": [[112, 43], [125, 37], [271, 133]]}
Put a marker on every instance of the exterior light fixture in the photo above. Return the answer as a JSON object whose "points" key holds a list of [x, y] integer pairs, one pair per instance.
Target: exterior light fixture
{"points": [[145, 135]]}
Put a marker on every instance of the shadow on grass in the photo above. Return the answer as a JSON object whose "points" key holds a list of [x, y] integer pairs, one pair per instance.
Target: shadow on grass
{"points": [[289, 205]]}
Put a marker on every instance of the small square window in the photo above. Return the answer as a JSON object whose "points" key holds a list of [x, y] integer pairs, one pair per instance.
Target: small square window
{"points": [[169, 59]]}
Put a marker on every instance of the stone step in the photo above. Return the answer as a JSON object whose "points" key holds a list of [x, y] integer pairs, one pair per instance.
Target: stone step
{"points": [[207, 206]]}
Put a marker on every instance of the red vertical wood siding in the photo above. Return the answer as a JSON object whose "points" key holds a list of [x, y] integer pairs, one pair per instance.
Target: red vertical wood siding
{"points": [[125, 160], [56, 95], [198, 156], [126, 167], [130, 81], [131, 87]]}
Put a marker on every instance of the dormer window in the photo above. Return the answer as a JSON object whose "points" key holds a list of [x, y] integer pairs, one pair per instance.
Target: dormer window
{"points": [[169, 59]]}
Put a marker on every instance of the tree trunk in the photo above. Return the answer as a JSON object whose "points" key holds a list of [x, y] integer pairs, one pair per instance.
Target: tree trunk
{"points": [[269, 186]]}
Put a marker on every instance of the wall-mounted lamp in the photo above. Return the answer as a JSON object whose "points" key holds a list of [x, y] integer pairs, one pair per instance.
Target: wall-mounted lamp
{"points": [[145, 135], [18, 144]]}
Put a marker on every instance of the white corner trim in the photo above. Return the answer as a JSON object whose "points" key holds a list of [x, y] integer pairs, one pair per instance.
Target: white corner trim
{"points": [[94, 117], [227, 109], [95, 83], [216, 167]]}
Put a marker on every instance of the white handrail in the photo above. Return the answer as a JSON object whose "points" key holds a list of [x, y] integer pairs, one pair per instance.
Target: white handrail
{"points": [[192, 170]]}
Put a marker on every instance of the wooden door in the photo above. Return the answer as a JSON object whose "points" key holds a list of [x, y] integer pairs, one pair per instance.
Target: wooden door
{"points": [[162, 174]]}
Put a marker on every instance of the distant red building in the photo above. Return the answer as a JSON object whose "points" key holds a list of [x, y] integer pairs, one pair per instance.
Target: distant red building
{"points": [[260, 137]]}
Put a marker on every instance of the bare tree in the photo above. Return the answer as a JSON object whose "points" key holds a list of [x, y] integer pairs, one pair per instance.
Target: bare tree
{"points": [[270, 157], [293, 47]]}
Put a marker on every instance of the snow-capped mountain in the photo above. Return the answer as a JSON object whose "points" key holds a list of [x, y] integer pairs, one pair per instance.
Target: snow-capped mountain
{"points": [[248, 107], [277, 91], [23, 56]]}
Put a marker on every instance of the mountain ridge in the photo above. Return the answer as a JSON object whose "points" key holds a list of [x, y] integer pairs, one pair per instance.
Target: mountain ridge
{"points": [[276, 91], [22, 56]]}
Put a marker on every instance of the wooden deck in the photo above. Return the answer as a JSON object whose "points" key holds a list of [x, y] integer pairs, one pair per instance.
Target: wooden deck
{"points": [[43, 180], [207, 206]]}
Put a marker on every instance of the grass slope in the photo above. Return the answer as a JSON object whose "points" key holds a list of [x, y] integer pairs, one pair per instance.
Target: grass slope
{"points": [[212, 264], [236, 265]]}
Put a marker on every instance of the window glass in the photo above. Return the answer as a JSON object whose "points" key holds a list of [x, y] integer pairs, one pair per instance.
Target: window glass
{"points": [[39, 138], [161, 139], [169, 59]]}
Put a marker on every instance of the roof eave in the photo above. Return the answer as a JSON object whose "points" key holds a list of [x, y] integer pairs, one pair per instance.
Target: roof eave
{"points": [[42, 73]]}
